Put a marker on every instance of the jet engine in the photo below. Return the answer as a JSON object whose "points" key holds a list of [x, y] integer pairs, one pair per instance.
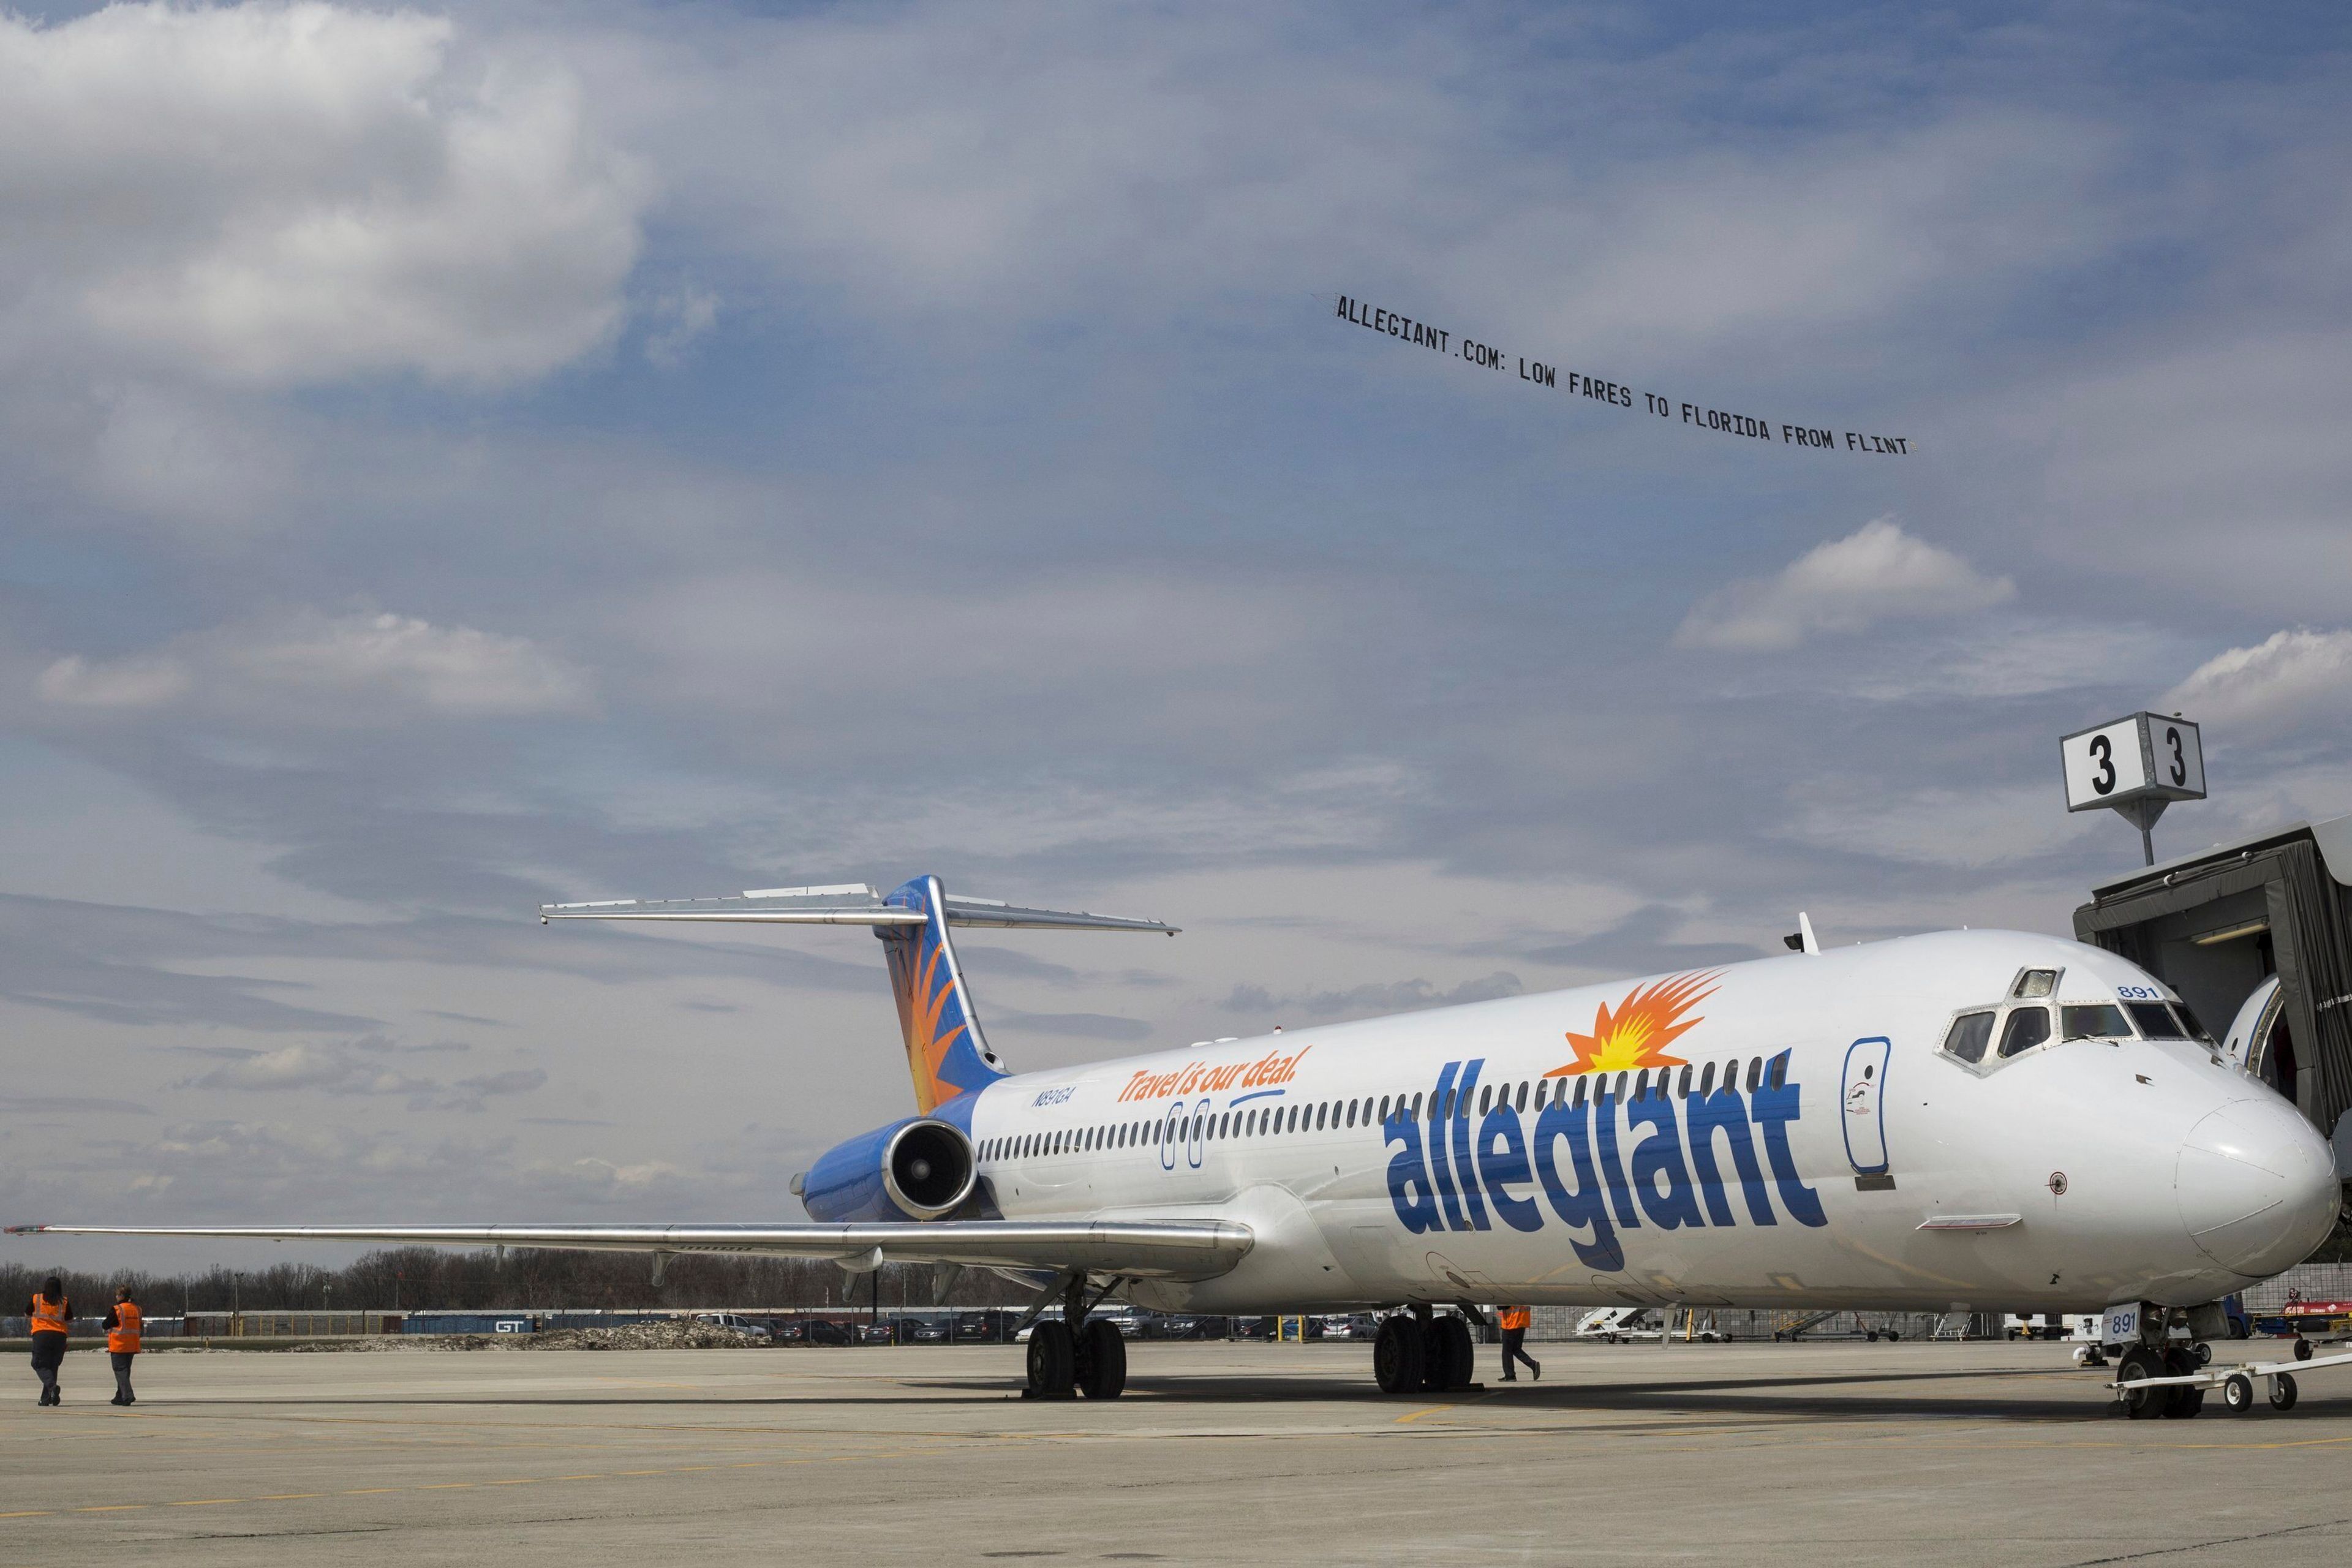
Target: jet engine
{"points": [[919, 1169]]}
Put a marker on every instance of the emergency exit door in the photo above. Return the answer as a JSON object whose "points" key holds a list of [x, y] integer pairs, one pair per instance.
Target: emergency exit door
{"points": [[1864, 1105]]}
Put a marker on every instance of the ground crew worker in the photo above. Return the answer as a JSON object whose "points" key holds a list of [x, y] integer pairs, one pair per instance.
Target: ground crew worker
{"points": [[51, 1314], [122, 1324], [1514, 1321]]}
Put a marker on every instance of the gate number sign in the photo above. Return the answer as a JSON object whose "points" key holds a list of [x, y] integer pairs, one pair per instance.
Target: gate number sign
{"points": [[2146, 757]]}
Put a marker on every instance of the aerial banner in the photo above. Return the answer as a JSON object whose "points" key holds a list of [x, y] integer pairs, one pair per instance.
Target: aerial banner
{"points": [[1554, 378]]}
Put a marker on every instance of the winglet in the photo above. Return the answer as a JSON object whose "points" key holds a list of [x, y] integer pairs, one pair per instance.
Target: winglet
{"points": [[1805, 934]]}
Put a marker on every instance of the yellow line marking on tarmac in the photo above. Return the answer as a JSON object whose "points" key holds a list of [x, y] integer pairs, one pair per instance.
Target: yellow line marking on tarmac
{"points": [[1433, 1409], [111, 1508]]}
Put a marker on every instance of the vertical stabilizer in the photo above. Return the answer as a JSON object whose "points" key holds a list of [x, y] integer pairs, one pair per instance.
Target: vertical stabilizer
{"points": [[945, 1049]]}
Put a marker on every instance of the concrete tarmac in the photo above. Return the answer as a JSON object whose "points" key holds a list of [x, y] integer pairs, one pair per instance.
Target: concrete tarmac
{"points": [[1753, 1453]]}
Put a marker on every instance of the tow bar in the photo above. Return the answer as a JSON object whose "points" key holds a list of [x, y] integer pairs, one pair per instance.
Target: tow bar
{"points": [[2236, 1381]]}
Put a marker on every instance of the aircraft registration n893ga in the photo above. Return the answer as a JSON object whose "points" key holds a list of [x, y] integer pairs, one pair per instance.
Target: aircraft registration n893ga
{"points": [[1986, 1121]]}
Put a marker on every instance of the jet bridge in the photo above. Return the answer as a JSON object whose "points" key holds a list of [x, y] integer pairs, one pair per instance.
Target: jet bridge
{"points": [[2218, 925]]}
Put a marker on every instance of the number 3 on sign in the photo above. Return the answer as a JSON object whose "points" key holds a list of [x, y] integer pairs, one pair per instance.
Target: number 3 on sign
{"points": [[2103, 764], [2143, 757]]}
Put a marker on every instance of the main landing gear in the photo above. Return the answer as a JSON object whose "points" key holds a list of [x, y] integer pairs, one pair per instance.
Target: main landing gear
{"points": [[1425, 1354], [1074, 1353]]}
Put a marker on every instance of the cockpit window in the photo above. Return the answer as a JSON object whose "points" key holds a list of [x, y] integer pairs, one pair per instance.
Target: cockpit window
{"points": [[2027, 1027], [2189, 1021], [2097, 1021], [1971, 1032], [2155, 1021]]}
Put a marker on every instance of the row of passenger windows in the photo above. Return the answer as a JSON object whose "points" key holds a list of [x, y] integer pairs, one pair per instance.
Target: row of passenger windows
{"points": [[1267, 1121], [2023, 1029]]}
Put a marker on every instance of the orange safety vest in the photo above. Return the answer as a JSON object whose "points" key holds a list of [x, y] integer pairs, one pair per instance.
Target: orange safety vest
{"points": [[124, 1338], [49, 1317], [1517, 1317]]}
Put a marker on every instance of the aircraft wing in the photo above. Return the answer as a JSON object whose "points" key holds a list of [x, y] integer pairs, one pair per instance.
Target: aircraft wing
{"points": [[1150, 1249]]}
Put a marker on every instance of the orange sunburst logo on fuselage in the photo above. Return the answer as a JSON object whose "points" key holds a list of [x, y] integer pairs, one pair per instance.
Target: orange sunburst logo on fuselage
{"points": [[1637, 1033]]}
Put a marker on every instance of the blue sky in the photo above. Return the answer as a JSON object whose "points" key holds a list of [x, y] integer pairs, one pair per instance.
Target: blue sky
{"points": [[457, 458]]}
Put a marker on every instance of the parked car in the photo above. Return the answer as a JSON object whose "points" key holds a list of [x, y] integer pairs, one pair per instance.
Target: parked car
{"points": [[877, 1333], [825, 1332], [735, 1320], [991, 1326], [928, 1330], [788, 1332]]}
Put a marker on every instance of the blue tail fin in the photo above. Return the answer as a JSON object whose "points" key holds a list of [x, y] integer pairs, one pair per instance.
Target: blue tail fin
{"points": [[946, 1052]]}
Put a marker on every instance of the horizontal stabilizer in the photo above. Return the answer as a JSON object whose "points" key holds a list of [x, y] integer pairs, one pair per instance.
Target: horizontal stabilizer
{"points": [[1156, 1249], [854, 904]]}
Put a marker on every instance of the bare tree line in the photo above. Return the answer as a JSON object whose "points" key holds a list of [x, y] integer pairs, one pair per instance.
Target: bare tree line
{"points": [[424, 1279]]}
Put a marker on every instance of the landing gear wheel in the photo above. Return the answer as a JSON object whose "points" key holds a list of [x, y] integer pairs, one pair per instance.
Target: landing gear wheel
{"points": [[2142, 1403], [2188, 1399], [1100, 1367], [1053, 1360], [2282, 1391], [2202, 1352], [2302, 1348], [1398, 1361], [1446, 1355], [2238, 1393]]}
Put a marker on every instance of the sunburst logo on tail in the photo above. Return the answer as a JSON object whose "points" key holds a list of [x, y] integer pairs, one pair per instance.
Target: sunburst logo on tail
{"points": [[1637, 1033]]}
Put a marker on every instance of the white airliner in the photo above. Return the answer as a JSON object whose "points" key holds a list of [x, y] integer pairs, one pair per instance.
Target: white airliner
{"points": [[1985, 1121]]}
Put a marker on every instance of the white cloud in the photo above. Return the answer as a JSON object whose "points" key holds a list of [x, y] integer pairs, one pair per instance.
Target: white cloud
{"points": [[141, 680], [277, 194], [448, 669], [347, 1069], [1878, 572], [338, 670], [2291, 679]]}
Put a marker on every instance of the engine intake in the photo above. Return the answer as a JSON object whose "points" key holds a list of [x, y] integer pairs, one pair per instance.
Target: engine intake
{"points": [[928, 1168]]}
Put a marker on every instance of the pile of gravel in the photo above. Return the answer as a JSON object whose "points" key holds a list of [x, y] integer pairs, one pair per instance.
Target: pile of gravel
{"points": [[673, 1335]]}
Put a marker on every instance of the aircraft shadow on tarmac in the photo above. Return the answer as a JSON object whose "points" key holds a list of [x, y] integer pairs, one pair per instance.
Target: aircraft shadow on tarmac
{"points": [[2070, 1396]]}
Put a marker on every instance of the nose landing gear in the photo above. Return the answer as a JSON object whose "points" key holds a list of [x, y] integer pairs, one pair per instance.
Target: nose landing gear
{"points": [[2143, 1398]]}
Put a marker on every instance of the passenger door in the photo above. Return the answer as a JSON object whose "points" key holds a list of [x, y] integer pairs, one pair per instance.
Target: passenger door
{"points": [[1865, 1104]]}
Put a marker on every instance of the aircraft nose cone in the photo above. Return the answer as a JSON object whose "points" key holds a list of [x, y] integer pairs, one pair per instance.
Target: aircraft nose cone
{"points": [[2257, 1187]]}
